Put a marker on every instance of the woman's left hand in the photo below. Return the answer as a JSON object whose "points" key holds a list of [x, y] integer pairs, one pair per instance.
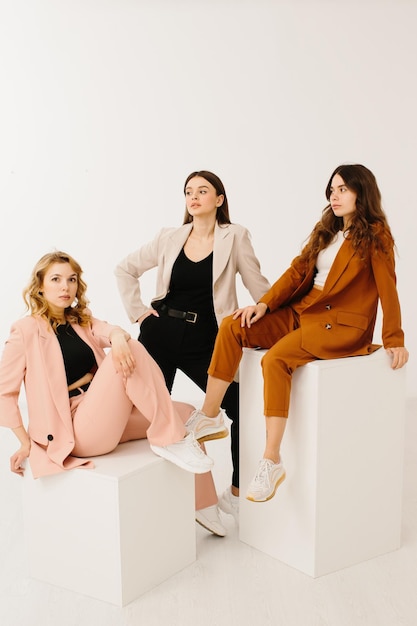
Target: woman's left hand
{"points": [[250, 314], [123, 358], [399, 357], [17, 460]]}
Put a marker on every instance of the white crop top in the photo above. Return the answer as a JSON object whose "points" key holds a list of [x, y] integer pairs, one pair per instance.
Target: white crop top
{"points": [[326, 257]]}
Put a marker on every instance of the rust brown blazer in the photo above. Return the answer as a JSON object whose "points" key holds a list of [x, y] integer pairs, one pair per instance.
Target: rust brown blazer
{"points": [[341, 321]]}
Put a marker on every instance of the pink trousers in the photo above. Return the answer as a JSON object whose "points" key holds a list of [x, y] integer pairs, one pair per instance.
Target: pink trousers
{"points": [[114, 410]]}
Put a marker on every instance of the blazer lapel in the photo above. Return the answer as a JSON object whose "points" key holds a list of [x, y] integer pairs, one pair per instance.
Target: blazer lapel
{"points": [[223, 243], [340, 263], [177, 241], [55, 370]]}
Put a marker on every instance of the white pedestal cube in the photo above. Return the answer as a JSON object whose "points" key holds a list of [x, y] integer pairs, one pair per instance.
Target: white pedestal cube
{"points": [[115, 531], [343, 453]]}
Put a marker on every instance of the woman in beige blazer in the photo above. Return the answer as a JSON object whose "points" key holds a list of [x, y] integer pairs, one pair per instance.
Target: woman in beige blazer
{"points": [[196, 266], [323, 307], [82, 402]]}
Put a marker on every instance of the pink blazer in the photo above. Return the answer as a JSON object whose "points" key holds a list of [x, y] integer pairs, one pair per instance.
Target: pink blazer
{"points": [[341, 321], [32, 355]]}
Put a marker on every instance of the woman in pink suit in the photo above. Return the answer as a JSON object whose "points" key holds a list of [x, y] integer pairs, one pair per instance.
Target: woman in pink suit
{"points": [[82, 402], [323, 307]]}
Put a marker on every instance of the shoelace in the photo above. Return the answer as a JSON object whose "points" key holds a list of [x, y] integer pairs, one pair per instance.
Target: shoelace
{"points": [[193, 418], [196, 416], [263, 474], [194, 444]]}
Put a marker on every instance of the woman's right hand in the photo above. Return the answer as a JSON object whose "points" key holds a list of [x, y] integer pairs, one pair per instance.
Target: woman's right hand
{"points": [[147, 314], [250, 314], [17, 460]]}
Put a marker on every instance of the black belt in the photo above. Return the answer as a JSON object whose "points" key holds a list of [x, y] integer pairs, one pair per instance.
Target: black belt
{"points": [[188, 316], [77, 391]]}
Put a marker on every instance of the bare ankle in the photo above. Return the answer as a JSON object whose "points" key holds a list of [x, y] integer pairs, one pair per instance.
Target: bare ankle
{"points": [[275, 458], [210, 413]]}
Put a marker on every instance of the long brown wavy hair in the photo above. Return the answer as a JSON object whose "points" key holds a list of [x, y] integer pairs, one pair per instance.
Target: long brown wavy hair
{"points": [[368, 228], [38, 305], [222, 215]]}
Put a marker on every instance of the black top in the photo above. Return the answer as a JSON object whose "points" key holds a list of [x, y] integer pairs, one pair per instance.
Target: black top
{"points": [[191, 286], [78, 357]]}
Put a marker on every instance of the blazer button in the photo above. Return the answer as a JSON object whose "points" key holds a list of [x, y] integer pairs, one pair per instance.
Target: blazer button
{"points": [[328, 307], [328, 326], [50, 437]]}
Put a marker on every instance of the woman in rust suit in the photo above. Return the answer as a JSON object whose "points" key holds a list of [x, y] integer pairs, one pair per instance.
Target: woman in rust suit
{"points": [[323, 307]]}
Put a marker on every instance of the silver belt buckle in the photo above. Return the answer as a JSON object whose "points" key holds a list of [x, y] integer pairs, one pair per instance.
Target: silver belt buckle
{"points": [[191, 320]]}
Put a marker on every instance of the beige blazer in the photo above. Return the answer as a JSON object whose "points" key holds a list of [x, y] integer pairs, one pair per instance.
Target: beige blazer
{"points": [[232, 253], [32, 355], [341, 320]]}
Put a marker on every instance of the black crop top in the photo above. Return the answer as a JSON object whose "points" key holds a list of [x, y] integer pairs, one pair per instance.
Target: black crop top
{"points": [[78, 357], [191, 286]]}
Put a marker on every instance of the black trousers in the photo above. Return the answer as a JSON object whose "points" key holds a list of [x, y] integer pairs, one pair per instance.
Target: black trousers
{"points": [[176, 344]]}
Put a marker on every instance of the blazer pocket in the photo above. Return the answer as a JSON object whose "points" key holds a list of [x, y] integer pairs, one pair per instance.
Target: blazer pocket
{"points": [[352, 319], [38, 436]]}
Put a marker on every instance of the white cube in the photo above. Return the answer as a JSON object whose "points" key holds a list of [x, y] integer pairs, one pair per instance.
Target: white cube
{"points": [[343, 452], [115, 531]]}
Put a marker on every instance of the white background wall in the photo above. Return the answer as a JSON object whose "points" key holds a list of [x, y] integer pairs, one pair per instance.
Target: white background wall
{"points": [[107, 105]]}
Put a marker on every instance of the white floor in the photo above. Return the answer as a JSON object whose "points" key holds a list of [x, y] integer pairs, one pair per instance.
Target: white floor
{"points": [[230, 583]]}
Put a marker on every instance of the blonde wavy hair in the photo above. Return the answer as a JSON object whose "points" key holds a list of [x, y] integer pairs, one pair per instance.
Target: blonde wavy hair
{"points": [[35, 302]]}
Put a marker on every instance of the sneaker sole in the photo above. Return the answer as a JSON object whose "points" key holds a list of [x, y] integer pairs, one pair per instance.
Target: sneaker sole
{"points": [[252, 499], [211, 436], [211, 530]]}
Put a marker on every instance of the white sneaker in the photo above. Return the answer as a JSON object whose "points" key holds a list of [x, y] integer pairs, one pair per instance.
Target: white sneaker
{"points": [[267, 479], [229, 503], [187, 454], [209, 519], [206, 428]]}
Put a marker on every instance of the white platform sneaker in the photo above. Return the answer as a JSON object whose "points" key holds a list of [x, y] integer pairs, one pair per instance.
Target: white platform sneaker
{"points": [[228, 503], [266, 481], [209, 518], [187, 454], [206, 428]]}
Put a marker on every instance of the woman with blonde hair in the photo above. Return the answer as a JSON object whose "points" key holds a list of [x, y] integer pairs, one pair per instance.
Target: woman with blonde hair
{"points": [[81, 401]]}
